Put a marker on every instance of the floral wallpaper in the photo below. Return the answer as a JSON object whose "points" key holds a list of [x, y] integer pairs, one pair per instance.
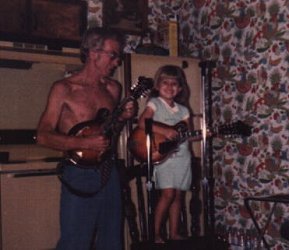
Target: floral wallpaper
{"points": [[249, 40]]}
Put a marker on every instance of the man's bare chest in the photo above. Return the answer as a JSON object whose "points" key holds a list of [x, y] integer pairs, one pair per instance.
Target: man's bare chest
{"points": [[86, 103]]}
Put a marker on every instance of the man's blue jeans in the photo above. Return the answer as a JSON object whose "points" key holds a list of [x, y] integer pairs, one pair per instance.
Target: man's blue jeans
{"points": [[90, 222]]}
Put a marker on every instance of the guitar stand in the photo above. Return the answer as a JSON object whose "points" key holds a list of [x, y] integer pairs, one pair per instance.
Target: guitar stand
{"points": [[274, 199], [207, 158], [150, 183]]}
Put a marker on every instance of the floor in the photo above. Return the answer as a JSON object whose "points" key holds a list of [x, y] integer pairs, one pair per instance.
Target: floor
{"points": [[199, 243]]}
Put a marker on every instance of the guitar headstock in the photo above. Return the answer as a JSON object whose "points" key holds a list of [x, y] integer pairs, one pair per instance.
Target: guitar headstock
{"points": [[235, 129], [142, 87]]}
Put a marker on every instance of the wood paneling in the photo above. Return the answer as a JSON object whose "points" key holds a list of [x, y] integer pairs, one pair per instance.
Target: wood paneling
{"points": [[29, 207]]}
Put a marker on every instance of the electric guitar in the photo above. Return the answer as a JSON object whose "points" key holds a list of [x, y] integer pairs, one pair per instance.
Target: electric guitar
{"points": [[162, 147], [106, 124]]}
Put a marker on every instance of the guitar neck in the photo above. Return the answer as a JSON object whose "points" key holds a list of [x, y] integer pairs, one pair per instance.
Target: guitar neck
{"points": [[170, 145], [231, 130], [189, 134], [140, 90], [117, 112], [228, 130], [114, 123]]}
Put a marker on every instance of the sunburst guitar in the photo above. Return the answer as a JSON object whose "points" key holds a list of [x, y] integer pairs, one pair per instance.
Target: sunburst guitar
{"points": [[106, 124], [162, 148]]}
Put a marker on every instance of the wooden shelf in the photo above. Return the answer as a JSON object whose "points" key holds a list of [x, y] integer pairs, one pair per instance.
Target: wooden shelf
{"points": [[66, 56]]}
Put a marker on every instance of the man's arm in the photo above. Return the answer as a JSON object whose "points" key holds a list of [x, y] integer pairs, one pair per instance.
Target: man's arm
{"points": [[49, 136], [130, 109], [46, 131]]}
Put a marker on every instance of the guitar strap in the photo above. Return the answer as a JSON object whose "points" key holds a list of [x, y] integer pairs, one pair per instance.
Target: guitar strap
{"points": [[105, 171]]}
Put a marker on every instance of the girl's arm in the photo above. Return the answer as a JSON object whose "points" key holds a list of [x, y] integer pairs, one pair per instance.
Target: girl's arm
{"points": [[157, 127], [191, 128]]}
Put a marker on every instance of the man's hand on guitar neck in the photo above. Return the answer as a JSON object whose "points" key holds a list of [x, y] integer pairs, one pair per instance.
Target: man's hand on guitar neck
{"points": [[129, 111]]}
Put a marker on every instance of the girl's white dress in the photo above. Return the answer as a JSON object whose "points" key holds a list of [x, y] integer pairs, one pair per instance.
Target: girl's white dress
{"points": [[175, 171]]}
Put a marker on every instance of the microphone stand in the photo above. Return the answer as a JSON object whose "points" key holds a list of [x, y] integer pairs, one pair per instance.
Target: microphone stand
{"points": [[207, 148], [150, 183]]}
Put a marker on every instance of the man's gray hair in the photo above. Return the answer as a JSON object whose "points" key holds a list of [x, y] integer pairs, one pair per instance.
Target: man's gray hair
{"points": [[94, 38]]}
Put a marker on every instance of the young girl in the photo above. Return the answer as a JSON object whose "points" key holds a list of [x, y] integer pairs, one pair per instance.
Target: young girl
{"points": [[172, 176]]}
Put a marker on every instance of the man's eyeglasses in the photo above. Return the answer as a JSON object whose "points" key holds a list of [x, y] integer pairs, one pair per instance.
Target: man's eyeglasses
{"points": [[111, 54]]}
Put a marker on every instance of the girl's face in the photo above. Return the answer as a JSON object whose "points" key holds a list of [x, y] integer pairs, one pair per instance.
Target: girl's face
{"points": [[168, 88]]}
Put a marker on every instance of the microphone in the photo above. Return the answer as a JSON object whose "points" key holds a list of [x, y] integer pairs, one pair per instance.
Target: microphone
{"points": [[206, 65], [148, 126]]}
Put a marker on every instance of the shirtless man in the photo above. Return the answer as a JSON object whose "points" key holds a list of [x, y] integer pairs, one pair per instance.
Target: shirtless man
{"points": [[93, 221]]}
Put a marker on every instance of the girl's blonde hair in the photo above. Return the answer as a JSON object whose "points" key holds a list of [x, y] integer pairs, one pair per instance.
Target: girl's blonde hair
{"points": [[173, 71]]}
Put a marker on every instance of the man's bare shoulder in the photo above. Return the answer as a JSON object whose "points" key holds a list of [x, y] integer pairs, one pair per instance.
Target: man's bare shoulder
{"points": [[114, 87], [60, 88], [113, 83], [66, 84]]}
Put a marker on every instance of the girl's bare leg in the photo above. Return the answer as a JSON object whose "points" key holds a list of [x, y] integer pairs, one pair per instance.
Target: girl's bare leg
{"points": [[174, 216], [166, 198]]}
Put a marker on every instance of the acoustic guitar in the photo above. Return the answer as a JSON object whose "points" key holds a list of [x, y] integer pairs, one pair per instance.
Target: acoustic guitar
{"points": [[162, 148], [106, 124]]}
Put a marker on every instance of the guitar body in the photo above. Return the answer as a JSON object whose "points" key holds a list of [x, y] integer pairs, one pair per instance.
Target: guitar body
{"points": [[88, 158], [137, 146], [161, 147]]}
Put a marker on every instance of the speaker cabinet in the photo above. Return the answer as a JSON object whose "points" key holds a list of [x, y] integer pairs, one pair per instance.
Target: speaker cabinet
{"points": [[29, 206]]}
